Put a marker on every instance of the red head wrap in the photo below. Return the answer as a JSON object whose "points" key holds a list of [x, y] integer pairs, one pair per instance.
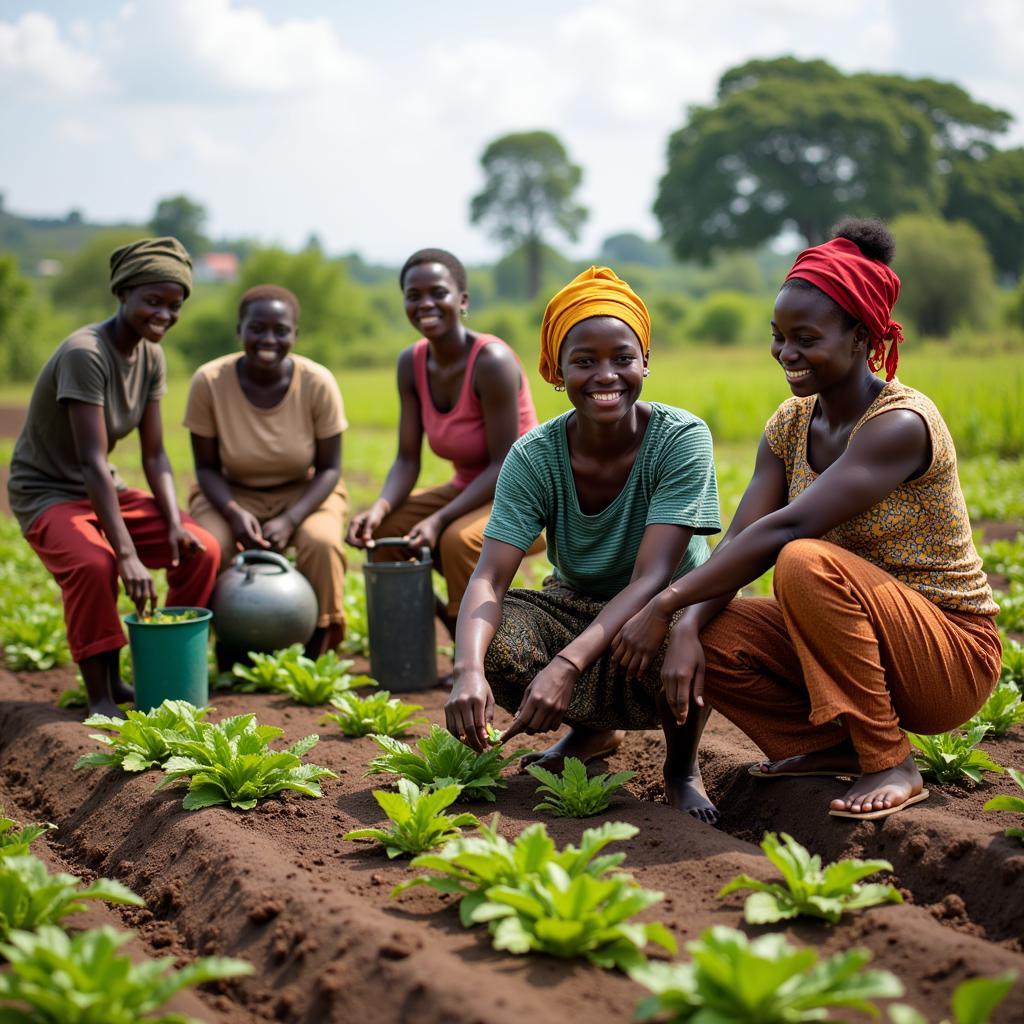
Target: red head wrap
{"points": [[867, 289]]}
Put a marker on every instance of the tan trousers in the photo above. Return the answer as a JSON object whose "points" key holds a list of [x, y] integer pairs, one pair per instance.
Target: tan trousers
{"points": [[459, 546], [844, 650], [319, 553]]}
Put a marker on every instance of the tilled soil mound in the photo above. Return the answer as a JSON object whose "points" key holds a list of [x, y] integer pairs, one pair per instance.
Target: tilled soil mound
{"points": [[279, 887]]}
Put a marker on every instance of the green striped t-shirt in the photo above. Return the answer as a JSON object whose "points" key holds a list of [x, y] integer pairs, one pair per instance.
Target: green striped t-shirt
{"points": [[672, 481]]}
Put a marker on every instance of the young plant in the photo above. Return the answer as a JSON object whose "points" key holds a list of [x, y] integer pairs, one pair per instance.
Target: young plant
{"points": [[314, 683], [760, 981], [810, 890], [30, 896], [951, 756], [16, 841], [377, 713], [1013, 664], [144, 739], [441, 761], [265, 674], [1002, 711], [1010, 803], [34, 639], [231, 764], [471, 865], [74, 697], [417, 822], [56, 978], [573, 794], [973, 1001], [570, 917], [159, 617], [357, 628]]}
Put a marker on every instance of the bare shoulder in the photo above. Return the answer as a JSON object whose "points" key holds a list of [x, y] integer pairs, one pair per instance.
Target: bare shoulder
{"points": [[496, 371], [899, 432]]}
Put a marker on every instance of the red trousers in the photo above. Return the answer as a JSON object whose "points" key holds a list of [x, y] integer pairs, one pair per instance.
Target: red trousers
{"points": [[70, 543]]}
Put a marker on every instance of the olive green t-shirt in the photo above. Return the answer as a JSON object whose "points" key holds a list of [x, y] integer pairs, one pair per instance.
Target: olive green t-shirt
{"points": [[672, 481], [86, 367]]}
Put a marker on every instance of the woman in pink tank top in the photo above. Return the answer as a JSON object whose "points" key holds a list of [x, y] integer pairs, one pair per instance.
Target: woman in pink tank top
{"points": [[469, 395]]}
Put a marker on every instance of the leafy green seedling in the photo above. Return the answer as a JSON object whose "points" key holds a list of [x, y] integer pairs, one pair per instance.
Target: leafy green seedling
{"points": [[568, 917], [1010, 803], [573, 794], [231, 764], [1013, 663], [74, 697], [357, 628], [144, 739], [33, 638], [159, 617], [377, 713], [494, 736], [55, 978], [973, 1001], [1011, 608], [30, 896], [760, 981], [417, 822], [15, 841], [1002, 711], [441, 761], [810, 890], [265, 673], [950, 757], [314, 683], [470, 865]]}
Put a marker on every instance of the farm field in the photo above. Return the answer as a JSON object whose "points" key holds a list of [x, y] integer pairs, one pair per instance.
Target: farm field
{"points": [[278, 886]]}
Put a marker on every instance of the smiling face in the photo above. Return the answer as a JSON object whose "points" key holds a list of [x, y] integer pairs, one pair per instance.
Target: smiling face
{"points": [[267, 331], [813, 344], [151, 310], [433, 300], [602, 365]]}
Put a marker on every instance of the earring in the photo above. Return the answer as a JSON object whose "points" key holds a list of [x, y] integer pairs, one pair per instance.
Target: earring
{"points": [[559, 387], [463, 313], [647, 372]]}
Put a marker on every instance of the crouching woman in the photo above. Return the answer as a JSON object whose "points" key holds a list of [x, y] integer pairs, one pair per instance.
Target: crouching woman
{"points": [[625, 491]]}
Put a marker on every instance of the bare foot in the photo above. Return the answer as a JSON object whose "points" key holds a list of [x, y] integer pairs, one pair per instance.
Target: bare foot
{"points": [[839, 760], [586, 744], [687, 793], [122, 692], [877, 791], [106, 707]]}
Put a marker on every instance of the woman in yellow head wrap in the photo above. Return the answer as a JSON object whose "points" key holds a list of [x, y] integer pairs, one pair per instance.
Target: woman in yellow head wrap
{"points": [[625, 492]]}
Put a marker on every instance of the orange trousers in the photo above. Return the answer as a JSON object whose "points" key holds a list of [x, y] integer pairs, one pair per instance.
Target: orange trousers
{"points": [[845, 651]]}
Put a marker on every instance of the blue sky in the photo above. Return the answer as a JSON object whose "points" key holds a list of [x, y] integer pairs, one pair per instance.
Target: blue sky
{"points": [[364, 122]]}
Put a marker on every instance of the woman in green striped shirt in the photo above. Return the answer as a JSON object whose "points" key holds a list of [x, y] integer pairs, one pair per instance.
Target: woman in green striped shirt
{"points": [[625, 491]]}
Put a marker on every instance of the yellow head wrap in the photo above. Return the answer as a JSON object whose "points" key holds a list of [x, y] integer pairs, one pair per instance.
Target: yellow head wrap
{"points": [[148, 261], [598, 291]]}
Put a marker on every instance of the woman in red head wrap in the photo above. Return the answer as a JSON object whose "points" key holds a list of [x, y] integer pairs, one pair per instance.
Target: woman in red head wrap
{"points": [[882, 619]]}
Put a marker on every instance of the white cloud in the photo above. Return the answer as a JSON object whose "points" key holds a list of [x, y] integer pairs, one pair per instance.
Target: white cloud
{"points": [[35, 62]]}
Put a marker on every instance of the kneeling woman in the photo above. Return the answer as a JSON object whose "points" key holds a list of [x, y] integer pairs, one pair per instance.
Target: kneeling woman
{"points": [[101, 383], [625, 491], [882, 618]]}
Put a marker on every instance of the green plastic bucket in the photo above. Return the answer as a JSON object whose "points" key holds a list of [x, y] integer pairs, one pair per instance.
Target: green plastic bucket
{"points": [[169, 658]]}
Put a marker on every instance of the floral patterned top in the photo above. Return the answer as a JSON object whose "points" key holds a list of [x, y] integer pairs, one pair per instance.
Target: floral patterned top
{"points": [[919, 533]]}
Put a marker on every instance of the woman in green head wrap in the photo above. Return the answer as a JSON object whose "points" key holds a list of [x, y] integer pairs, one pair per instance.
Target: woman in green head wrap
{"points": [[102, 382]]}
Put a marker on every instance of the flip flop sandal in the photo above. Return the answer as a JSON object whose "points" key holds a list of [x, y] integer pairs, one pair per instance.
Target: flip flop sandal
{"points": [[885, 811], [753, 770]]}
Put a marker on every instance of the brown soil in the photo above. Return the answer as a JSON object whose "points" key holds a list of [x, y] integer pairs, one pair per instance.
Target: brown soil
{"points": [[279, 887]]}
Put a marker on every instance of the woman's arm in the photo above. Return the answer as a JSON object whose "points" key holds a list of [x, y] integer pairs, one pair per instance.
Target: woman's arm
{"points": [[405, 470], [245, 527], [497, 380], [471, 705], [326, 473]]}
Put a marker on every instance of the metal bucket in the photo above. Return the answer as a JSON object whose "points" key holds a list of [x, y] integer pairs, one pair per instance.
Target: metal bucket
{"points": [[400, 621]]}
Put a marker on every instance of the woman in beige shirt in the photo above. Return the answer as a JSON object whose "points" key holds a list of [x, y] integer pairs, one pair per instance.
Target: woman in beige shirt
{"points": [[266, 431]]}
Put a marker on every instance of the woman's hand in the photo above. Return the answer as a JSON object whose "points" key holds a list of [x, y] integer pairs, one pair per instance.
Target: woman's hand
{"points": [[546, 699], [246, 528], [637, 643], [138, 584], [682, 672], [278, 531], [183, 542], [470, 706], [425, 534], [362, 527]]}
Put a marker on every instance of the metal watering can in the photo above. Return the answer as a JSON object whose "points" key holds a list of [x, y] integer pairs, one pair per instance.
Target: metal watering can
{"points": [[400, 620]]}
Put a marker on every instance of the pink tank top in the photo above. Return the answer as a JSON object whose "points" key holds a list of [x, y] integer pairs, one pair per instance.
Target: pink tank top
{"points": [[458, 435]]}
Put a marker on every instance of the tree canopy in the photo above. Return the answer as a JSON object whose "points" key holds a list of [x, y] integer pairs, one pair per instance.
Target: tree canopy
{"points": [[799, 144], [528, 191], [184, 219]]}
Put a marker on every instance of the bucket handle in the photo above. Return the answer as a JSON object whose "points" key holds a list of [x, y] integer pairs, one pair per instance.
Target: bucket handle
{"points": [[401, 542], [244, 559]]}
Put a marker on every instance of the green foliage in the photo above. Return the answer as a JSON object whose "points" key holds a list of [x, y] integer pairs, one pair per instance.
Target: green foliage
{"points": [[75, 696], [949, 757], [946, 271], [16, 841], [417, 822], [378, 713], [84, 283], [973, 1002], [33, 638], [443, 760], [23, 342], [1002, 711], [289, 671], [512, 273], [30, 896], [573, 794], [357, 626], [232, 763], [182, 218], [810, 890], [1011, 608], [1013, 664], [54, 978], [265, 673], [1010, 803], [722, 318], [1004, 557], [761, 981], [471, 865], [143, 739]]}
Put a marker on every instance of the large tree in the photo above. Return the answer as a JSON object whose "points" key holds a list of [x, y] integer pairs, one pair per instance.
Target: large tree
{"points": [[798, 144], [184, 219], [528, 190]]}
